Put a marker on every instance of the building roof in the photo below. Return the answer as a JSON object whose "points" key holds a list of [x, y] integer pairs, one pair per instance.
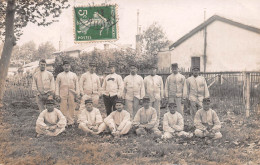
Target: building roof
{"points": [[208, 22]]}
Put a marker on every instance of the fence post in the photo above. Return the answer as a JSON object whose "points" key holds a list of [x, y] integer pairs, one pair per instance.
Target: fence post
{"points": [[247, 94]]}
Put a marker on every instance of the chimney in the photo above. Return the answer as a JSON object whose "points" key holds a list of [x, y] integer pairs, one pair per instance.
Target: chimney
{"points": [[138, 37]]}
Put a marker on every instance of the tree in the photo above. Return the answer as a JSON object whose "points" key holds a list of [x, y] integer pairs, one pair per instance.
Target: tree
{"points": [[45, 51], [15, 15], [153, 40]]}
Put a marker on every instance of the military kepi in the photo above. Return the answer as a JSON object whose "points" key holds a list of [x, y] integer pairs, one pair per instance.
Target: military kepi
{"points": [[146, 99], [88, 101], [174, 65], [120, 101]]}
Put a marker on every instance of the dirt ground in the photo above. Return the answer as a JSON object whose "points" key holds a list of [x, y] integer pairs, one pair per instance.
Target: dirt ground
{"points": [[19, 145]]}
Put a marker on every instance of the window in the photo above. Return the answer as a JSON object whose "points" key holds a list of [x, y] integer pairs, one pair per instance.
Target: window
{"points": [[195, 61]]}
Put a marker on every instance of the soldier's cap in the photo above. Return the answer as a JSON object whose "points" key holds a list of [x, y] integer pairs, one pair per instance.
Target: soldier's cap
{"points": [[88, 101], [206, 100], [174, 65], [172, 104], [196, 67], [66, 62], [42, 61], [50, 102], [120, 101], [146, 99], [111, 64], [92, 63]]}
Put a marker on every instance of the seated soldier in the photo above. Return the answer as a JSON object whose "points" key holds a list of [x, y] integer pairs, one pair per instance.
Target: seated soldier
{"points": [[173, 123], [145, 120], [90, 119], [119, 121], [51, 121], [207, 122]]}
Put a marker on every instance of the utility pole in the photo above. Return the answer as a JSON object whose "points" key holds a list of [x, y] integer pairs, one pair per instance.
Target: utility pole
{"points": [[205, 44]]}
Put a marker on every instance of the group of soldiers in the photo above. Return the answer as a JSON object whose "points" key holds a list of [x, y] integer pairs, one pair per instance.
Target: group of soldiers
{"points": [[131, 103]]}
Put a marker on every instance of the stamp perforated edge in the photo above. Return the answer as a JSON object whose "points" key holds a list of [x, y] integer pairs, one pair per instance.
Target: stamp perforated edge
{"points": [[96, 41]]}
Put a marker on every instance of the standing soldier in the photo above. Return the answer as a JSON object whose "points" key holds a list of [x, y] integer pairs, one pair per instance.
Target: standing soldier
{"points": [[154, 89], [197, 90], [133, 90], [43, 83], [113, 87], [176, 89], [90, 85], [67, 91]]}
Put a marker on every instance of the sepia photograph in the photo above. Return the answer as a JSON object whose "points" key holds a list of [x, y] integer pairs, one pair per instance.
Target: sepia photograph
{"points": [[115, 82]]}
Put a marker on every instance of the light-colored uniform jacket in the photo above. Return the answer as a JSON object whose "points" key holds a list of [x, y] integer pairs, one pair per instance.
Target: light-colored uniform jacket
{"points": [[209, 117], [43, 82], [66, 82], [113, 85], [175, 86], [173, 122], [197, 88], [146, 116], [89, 84], [90, 118], [133, 87], [154, 87]]}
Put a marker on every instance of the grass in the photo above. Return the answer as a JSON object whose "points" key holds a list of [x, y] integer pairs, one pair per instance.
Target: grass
{"points": [[239, 145]]}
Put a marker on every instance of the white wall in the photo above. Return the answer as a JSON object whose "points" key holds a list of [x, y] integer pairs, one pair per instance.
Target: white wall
{"points": [[229, 48], [191, 47]]}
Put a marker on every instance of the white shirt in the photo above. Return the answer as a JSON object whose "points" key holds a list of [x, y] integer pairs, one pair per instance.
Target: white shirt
{"points": [[175, 86], [133, 87], [173, 122], [43, 81], [89, 84], [197, 88], [113, 85], [90, 118], [153, 87], [50, 118], [65, 82]]}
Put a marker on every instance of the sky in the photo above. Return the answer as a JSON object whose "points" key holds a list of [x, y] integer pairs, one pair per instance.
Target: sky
{"points": [[176, 17]]}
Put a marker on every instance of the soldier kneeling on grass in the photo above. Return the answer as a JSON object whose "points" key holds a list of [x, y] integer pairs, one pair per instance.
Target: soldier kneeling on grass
{"points": [[90, 119], [51, 121], [207, 122], [173, 123], [119, 121], [145, 120]]}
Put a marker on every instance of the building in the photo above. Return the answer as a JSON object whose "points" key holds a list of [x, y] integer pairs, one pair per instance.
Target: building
{"points": [[218, 44]]}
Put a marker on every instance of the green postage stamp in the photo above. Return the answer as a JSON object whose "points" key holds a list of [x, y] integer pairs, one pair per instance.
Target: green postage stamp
{"points": [[95, 23]]}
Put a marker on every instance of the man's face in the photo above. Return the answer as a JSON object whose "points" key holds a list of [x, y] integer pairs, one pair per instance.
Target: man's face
{"points": [[119, 107], [172, 108], [206, 105], [174, 70], [133, 70], [153, 71], [50, 107], [146, 104], [42, 66], [89, 106], [195, 72], [112, 69], [66, 67], [92, 69]]}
